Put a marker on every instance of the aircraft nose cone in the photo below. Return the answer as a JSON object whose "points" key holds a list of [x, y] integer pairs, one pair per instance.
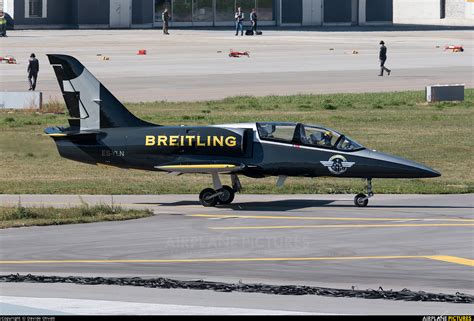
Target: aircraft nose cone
{"points": [[415, 170], [397, 167], [427, 172]]}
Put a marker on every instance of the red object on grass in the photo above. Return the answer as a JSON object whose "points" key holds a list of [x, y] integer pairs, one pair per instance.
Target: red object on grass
{"points": [[238, 54], [8, 60], [454, 48]]}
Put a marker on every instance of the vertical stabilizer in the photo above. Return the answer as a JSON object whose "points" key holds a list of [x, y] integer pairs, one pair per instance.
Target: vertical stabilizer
{"points": [[87, 99]]}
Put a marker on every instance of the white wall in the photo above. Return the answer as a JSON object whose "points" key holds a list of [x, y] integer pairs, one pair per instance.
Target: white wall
{"points": [[8, 7], [428, 12], [415, 10], [469, 10], [20, 100]]}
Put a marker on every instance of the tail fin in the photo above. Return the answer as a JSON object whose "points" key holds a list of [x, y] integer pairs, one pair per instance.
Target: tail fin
{"points": [[87, 99]]}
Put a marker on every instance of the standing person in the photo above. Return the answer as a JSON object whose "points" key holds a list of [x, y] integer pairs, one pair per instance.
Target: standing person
{"points": [[165, 16], [33, 69], [239, 22], [3, 24], [383, 58], [253, 20]]}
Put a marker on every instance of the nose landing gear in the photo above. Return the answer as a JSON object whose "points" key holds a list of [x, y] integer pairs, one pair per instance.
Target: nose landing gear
{"points": [[362, 200]]}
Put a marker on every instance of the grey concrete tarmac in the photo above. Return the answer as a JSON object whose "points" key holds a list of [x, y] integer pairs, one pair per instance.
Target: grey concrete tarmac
{"points": [[216, 302], [420, 242], [194, 64]]}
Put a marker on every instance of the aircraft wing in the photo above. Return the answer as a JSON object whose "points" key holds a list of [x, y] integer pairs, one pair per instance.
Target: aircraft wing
{"points": [[201, 168]]}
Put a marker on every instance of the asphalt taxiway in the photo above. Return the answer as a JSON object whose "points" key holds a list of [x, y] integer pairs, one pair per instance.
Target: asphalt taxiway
{"points": [[419, 242], [194, 65]]}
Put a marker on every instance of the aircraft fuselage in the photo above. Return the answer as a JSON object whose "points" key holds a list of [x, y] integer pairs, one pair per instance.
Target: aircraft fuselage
{"points": [[148, 148]]}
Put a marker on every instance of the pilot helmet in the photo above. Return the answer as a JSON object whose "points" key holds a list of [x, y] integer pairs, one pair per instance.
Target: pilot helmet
{"points": [[270, 128]]}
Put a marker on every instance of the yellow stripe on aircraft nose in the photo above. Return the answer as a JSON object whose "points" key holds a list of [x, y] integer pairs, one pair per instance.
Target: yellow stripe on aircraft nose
{"points": [[210, 166], [56, 135]]}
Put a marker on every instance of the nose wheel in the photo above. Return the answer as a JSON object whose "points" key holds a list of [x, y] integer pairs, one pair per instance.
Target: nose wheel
{"points": [[362, 200]]}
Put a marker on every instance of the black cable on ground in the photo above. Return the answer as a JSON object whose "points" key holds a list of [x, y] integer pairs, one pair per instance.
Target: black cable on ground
{"points": [[164, 283]]}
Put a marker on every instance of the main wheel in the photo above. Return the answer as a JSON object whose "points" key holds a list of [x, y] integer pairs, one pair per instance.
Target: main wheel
{"points": [[361, 200], [227, 195], [205, 199]]}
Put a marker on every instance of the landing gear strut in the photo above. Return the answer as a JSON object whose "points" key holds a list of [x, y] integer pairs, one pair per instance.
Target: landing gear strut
{"points": [[361, 200], [220, 194]]}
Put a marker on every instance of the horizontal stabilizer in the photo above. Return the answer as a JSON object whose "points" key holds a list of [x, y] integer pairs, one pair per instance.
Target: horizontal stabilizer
{"points": [[61, 132]]}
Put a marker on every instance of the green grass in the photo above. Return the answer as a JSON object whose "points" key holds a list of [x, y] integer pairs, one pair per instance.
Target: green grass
{"points": [[21, 216], [400, 123]]}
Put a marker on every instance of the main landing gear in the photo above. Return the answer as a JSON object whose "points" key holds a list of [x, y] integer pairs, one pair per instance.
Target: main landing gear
{"points": [[220, 194], [361, 200]]}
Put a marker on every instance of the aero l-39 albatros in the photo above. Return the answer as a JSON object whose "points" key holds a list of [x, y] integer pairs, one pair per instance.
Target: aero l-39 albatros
{"points": [[102, 131]]}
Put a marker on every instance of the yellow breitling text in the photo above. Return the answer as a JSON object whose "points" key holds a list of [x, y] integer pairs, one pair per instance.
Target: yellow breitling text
{"points": [[190, 141]]}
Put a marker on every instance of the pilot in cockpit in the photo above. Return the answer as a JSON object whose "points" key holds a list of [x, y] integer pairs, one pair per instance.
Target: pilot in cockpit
{"points": [[321, 139], [327, 139], [268, 130]]}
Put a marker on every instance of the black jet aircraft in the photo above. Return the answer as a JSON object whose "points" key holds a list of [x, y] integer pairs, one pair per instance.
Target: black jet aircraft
{"points": [[102, 131]]}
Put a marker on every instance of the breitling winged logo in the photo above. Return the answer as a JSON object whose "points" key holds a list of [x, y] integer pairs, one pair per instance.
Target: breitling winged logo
{"points": [[337, 164]]}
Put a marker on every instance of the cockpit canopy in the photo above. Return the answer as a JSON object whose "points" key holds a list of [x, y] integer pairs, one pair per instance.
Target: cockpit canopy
{"points": [[306, 135]]}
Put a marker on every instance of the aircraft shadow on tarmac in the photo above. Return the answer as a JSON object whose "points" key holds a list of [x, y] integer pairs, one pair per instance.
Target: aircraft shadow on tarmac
{"points": [[295, 204], [283, 205]]}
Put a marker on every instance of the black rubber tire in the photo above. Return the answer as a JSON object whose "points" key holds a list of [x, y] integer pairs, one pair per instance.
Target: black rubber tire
{"points": [[206, 193], [227, 197], [361, 200]]}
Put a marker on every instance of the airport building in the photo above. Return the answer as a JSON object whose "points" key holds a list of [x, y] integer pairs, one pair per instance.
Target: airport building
{"points": [[434, 12], [215, 13]]}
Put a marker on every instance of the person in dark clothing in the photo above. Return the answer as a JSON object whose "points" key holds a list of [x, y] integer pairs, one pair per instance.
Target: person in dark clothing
{"points": [[239, 22], [383, 58], [3, 24], [253, 20], [165, 16], [33, 69]]}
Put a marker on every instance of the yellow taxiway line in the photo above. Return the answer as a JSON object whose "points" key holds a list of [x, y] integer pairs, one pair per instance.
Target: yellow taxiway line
{"points": [[264, 217], [443, 258], [338, 226], [452, 259]]}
